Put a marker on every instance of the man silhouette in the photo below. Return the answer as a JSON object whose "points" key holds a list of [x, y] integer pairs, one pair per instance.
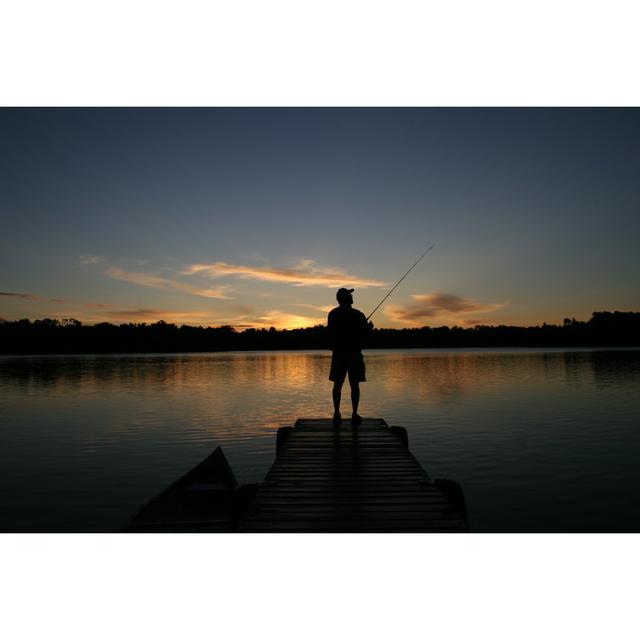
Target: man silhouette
{"points": [[348, 329]]}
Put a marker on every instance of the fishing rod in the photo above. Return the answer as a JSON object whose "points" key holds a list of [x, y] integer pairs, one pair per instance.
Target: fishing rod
{"points": [[401, 279]]}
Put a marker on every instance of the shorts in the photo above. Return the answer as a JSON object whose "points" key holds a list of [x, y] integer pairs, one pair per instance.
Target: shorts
{"points": [[343, 362]]}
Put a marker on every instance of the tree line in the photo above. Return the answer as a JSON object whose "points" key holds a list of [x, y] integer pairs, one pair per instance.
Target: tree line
{"points": [[604, 328]]}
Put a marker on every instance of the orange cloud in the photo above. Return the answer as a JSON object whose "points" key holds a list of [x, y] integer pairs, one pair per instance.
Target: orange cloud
{"points": [[158, 282], [245, 317], [445, 308], [305, 274], [283, 320], [316, 307]]}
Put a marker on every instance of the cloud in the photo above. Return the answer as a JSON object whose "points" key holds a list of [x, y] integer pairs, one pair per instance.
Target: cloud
{"points": [[243, 318], [240, 316], [306, 273], [439, 302], [158, 282], [283, 320], [135, 313], [316, 307], [29, 296], [155, 315], [91, 259], [96, 305], [445, 308], [23, 296]]}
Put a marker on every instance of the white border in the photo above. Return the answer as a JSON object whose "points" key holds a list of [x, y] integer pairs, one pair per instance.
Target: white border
{"points": [[257, 53], [334, 52], [319, 586]]}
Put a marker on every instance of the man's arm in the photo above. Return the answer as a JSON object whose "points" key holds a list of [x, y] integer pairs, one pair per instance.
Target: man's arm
{"points": [[331, 329], [366, 326]]}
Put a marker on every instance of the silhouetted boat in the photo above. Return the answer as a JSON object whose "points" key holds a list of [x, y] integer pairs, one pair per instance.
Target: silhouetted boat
{"points": [[204, 499]]}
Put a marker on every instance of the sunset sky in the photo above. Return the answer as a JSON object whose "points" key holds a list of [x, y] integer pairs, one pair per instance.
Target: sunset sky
{"points": [[254, 217]]}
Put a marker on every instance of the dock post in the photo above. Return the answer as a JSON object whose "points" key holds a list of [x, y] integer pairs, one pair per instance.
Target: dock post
{"points": [[281, 438], [401, 434], [454, 493]]}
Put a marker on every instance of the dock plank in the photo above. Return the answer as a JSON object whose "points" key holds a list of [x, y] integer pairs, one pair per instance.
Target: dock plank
{"points": [[348, 479]]}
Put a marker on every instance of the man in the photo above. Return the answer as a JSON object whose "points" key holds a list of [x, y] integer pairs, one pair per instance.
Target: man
{"points": [[348, 328]]}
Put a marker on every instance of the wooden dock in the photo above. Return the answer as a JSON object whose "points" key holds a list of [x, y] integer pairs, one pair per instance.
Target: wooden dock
{"points": [[348, 479]]}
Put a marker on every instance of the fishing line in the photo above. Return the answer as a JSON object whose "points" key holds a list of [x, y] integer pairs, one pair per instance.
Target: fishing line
{"points": [[399, 281]]}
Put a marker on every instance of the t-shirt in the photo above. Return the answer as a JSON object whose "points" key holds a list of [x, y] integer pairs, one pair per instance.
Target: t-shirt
{"points": [[348, 329]]}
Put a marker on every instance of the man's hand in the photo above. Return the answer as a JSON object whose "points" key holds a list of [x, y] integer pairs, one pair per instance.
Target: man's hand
{"points": [[370, 325]]}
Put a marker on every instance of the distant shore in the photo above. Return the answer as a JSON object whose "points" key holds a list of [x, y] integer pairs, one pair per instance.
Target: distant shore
{"points": [[604, 329]]}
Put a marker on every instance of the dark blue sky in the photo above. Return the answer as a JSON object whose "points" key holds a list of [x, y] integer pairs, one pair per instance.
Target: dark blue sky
{"points": [[255, 216]]}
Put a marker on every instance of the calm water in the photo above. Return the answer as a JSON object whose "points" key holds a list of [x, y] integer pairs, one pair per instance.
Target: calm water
{"points": [[539, 440]]}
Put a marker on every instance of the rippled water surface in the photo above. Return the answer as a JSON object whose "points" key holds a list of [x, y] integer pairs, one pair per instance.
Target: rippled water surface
{"points": [[539, 440]]}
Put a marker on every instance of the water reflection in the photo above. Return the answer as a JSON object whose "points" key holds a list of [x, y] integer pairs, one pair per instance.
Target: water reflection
{"points": [[68, 372], [616, 369], [438, 373], [540, 440]]}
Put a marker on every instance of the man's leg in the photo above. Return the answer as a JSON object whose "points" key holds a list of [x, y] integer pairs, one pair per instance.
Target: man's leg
{"points": [[337, 393], [355, 398]]}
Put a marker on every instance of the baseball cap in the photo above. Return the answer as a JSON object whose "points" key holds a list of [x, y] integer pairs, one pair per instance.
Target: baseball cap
{"points": [[342, 292]]}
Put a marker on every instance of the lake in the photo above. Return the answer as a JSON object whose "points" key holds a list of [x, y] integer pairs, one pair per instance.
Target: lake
{"points": [[540, 440]]}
